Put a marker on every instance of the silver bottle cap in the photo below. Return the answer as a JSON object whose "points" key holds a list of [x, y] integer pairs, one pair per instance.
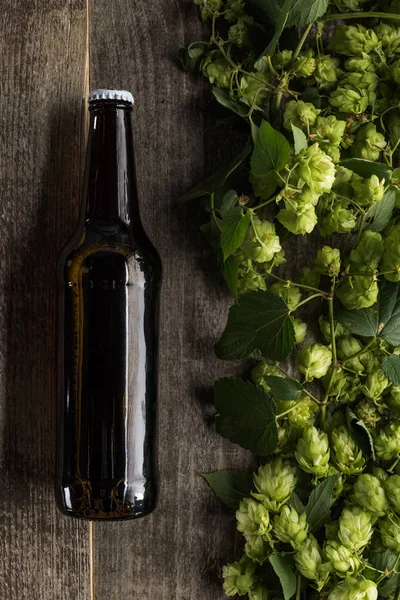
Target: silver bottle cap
{"points": [[101, 94]]}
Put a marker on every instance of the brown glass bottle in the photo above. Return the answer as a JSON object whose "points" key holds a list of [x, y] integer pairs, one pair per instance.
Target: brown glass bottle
{"points": [[109, 276]]}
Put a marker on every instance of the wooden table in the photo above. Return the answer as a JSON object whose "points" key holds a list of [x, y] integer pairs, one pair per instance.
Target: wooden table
{"points": [[52, 52]]}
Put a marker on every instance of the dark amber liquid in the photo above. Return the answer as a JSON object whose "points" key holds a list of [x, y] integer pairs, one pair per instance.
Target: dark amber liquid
{"points": [[109, 301]]}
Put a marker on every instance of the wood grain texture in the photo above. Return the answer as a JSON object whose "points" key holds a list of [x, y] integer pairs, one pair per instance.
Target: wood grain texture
{"points": [[177, 553], [44, 556]]}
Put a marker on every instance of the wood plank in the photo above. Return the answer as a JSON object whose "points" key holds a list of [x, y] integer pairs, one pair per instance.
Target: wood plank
{"points": [[42, 55], [177, 553]]}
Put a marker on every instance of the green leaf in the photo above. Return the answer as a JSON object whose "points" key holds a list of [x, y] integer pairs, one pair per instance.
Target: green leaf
{"points": [[306, 11], [360, 322], [260, 322], [381, 212], [361, 434], [283, 567], [271, 152], [389, 312], [300, 139], [233, 230], [229, 200], [230, 486], [320, 502], [280, 18], [231, 103], [297, 503], [284, 389], [366, 168], [215, 182], [229, 271], [246, 415], [311, 94], [383, 560], [390, 586], [391, 368]]}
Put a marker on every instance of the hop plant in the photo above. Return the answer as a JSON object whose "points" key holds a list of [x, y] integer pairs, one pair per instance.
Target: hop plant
{"points": [[354, 40], [358, 292], [326, 71], [345, 452], [368, 191], [217, 70], [390, 532], [387, 441], [348, 99], [394, 399], [258, 592], [261, 242], [314, 360], [239, 577], [355, 528], [300, 329], [282, 59], [327, 261], [209, 7], [290, 527], [299, 113], [368, 413], [343, 561], [238, 33], [299, 221], [392, 488], [363, 64], [375, 384], [368, 143], [347, 346], [335, 216], [389, 37], [275, 483], [368, 253], [369, 493], [391, 256], [312, 452], [289, 293], [354, 589], [308, 560], [315, 169], [256, 548], [234, 10], [252, 518], [303, 413], [325, 327], [305, 64]]}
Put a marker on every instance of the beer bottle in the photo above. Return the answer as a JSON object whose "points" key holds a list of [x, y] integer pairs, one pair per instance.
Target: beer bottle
{"points": [[109, 277]]}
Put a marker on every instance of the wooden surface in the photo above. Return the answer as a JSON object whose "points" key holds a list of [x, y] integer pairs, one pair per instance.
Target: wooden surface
{"points": [[176, 553]]}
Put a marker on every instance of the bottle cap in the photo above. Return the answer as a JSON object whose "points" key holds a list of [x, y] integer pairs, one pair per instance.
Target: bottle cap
{"points": [[100, 94]]}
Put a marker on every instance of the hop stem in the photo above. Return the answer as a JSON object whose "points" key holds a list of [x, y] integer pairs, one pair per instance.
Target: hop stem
{"points": [[364, 15]]}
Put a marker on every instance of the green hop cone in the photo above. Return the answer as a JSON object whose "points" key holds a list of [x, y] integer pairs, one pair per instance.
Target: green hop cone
{"points": [[290, 527], [392, 489], [261, 242], [395, 71], [390, 532], [234, 9], [312, 452], [369, 493], [348, 99], [336, 217], [368, 191], [349, 5], [252, 518], [326, 71], [250, 282], [368, 253], [363, 64], [355, 528], [389, 37], [327, 261], [354, 40], [387, 441], [345, 453], [303, 414], [288, 292], [315, 169], [239, 577], [368, 143], [343, 561], [275, 482], [308, 558], [300, 330], [298, 222], [354, 589], [262, 370], [361, 81], [282, 59], [258, 592], [375, 384], [238, 33], [346, 347], [299, 113], [391, 255], [329, 131], [252, 88], [305, 64], [209, 7], [380, 474], [256, 548], [217, 70], [310, 277], [368, 413], [325, 327], [314, 360], [358, 292], [393, 127]]}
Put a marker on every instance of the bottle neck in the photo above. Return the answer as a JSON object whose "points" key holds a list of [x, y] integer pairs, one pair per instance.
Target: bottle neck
{"points": [[110, 186]]}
